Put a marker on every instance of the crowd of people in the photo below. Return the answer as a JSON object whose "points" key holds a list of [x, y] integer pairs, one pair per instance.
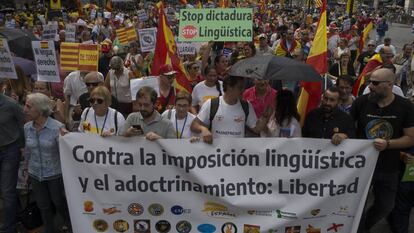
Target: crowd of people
{"points": [[34, 114]]}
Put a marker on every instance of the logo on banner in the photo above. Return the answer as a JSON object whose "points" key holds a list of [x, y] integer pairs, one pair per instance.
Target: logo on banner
{"points": [[88, 206], [292, 229], [229, 227], [183, 227], [312, 229], [189, 31], [142, 226], [216, 210], [100, 225], [121, 225], [206, 228], [135, 209], [343, 211], [335, 227], [156, 209], [111, 210], [315, 214], [247, 228], [163, 226], [285, 215], [268, 213], [179, 210]]}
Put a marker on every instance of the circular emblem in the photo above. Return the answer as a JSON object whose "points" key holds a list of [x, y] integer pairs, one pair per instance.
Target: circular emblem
{"points": [[177, 210], [189, 31], [156, 209], [100, 225], [163, 226], [121, 225], [229, 227], [183, 227], [135, 209], [379, 128], [206, 228], [142, 226]]}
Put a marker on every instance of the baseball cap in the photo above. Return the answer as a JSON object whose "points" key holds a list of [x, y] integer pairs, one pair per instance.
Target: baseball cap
{"points": [[167, 70]]}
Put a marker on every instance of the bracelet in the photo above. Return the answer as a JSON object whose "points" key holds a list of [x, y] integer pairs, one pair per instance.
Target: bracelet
{"points": [[388, 144]]}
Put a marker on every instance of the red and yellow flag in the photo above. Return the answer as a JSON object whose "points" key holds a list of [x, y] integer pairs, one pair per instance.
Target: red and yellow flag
{"points": [[69, 56], [351, 7], [166, 53], [224, 3], [311, 92], [183, 2], [108, 5], [374, 62], [364, 37]]}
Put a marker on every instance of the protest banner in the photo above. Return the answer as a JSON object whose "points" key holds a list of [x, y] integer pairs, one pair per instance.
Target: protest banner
{"points": [[126, 35], [75, 56], [272, 185], [151, 81], [346, 25], [70, 33], [220, 24], [50, 31], [186, 48], [7, 69], [142, 15], [46, 62], [88, 57], [147, 39]]}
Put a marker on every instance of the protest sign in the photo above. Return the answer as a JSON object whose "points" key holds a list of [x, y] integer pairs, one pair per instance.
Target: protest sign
{"points": [[346, 25], [88, 57], [186, 48], [151, 81], [7, 69], [70, 33], [147, 39], [218, 24], [50, 31], [69, 56], [142, 15], [46, 62], [265, 184], [126, 35]]}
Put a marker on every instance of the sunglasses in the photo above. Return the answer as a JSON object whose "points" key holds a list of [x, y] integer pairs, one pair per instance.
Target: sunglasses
{"points": [[376, 83], [92, 84], [96, 100]]}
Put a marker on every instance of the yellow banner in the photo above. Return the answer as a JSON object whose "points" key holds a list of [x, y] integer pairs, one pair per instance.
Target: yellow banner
{"points": [[88, 57], [55, 5], [69, 56]]}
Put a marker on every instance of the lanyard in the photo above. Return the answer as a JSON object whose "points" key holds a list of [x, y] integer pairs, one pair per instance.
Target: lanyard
{"points": [[180, 135], [96, 122]]}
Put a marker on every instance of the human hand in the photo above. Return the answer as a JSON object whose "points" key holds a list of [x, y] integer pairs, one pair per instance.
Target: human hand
{"points": [[63, 131], [107, 134], [194, 139], [151, 136], [207, 137], [131, 131], [380, 144], [337, 138], [407, 157]]}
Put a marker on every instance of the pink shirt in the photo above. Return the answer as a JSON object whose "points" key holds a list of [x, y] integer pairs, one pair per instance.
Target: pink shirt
{"points": [[260, 103]]}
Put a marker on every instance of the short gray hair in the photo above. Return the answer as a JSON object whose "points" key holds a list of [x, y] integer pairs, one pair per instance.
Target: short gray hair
{"points": [[41, 103], [116, 63]]}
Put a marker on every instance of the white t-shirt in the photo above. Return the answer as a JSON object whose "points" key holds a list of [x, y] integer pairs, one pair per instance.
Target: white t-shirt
{"points": [[182, 127], [291, 130], [89, 125], [201, 93], [229, 120], [74, 86]]}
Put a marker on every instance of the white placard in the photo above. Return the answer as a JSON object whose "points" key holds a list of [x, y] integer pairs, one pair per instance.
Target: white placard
{"points": [[70, 33], [346, 25], [50, 31], [186, 48], [7, 69], [255, 184], [147, 39], [142, 15], [151, 81], [46, 62], [93, 14]]}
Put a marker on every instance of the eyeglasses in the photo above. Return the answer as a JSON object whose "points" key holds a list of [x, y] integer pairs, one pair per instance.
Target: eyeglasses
{"points": [[92, 84], [195, 68], [96, 100], [376, 83]]}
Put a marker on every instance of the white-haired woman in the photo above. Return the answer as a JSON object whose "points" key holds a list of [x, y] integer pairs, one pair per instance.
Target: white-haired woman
{"points": [[42, 149]]}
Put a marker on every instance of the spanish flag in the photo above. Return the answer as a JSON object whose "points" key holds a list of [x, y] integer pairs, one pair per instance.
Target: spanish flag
{"points": [[364, 37], [350, 7], [311, 92], [224, 3], [55, 5], [166, 53], [374, 62]]}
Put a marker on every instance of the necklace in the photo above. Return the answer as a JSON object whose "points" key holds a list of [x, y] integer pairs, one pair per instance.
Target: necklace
{"points": [[96, 122], [180, 134]]}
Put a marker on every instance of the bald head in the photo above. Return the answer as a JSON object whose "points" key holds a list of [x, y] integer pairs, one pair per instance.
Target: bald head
{"points": [[383, 74], [94, 76]]}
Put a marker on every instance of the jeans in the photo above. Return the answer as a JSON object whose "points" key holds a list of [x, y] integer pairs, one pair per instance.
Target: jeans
{"points": [[9, 166], [384, 187], [49, 196], [400, 216]]}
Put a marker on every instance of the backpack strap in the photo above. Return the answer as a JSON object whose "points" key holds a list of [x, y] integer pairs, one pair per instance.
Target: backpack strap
{"points": [[86, 114], [245, 106], [169, 114], [214, 105], [116, 121]]}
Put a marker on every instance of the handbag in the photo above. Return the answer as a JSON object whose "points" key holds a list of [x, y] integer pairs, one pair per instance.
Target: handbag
{"points": [[30, 217]]}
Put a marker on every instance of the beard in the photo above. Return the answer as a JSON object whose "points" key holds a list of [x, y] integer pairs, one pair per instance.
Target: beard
{"points": [[374, 97], [327, 109], [146, 114]]}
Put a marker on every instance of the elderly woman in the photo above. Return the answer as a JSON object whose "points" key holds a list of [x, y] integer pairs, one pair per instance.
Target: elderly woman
{"points": [[42, 149], [56, 105], [134, 61], [117, 80], [100, 118]]}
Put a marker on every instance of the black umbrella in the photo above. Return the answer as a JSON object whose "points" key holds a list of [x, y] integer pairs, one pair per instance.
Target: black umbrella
{"points": [[20, 41], [274, 68]]}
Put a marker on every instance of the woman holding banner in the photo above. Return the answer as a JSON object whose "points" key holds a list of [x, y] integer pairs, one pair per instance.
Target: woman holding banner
{"points": [[42, 150], [56, 105]]}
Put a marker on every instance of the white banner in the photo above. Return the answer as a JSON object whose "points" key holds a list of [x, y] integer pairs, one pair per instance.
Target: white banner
{"points": [[235, 185], [50, 31], [142, 15], [46, 62], [70, 33], [151, 81], [147, 39], [346, 25], [7, 69], [186, 48]]}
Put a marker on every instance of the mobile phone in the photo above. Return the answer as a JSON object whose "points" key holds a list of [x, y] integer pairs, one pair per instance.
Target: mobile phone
{"points": [[138, 127]]}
